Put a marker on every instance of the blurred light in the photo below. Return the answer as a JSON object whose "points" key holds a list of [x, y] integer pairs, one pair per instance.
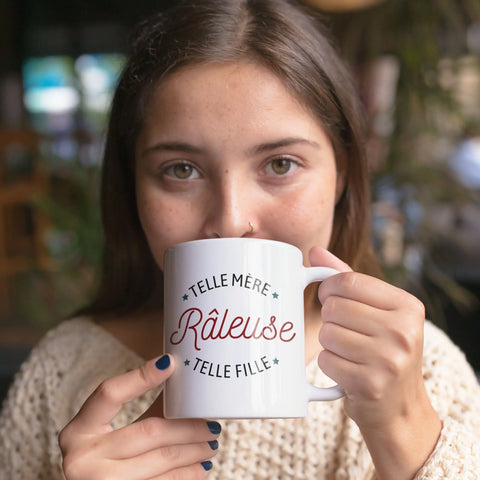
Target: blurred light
{"points": [[465, 163], [98, 74], [49, 84], [51, 100]]}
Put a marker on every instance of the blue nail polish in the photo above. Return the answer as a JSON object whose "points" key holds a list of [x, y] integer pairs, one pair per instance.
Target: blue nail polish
{"points": [[163, 362], [214, 427], [213, 444], [207, 465]]}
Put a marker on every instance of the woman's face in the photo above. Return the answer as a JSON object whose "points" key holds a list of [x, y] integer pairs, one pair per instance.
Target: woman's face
{"points": [[226, 145]]}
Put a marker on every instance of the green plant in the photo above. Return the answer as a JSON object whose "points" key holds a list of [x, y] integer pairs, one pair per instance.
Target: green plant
{"points": [[73, 243], [411, 140]]}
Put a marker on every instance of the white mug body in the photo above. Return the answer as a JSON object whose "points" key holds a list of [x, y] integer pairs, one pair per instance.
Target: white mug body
{"points": [[234, 321]]}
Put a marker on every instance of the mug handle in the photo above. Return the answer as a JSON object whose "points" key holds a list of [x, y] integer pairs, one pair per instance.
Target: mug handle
{"points": [[318, 274]]}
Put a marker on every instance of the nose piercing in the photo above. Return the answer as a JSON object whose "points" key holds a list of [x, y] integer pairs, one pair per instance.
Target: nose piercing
{"points": [[251, 227]]}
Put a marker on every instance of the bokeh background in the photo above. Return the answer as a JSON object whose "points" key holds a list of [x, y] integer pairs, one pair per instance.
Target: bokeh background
{"points": [[417, 66]]}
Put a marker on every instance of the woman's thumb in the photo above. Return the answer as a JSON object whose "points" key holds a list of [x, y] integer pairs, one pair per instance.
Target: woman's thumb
{"points": [[321, 257]]}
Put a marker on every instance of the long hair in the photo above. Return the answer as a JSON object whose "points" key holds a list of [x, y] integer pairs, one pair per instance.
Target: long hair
{"points": [[279, 35]]}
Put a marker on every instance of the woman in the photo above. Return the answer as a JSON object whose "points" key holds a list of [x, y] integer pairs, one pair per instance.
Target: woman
{"points": [[234, 119]]}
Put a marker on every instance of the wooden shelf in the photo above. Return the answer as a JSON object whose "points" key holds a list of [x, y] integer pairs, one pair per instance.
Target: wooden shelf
{"points": [[22, 226]]}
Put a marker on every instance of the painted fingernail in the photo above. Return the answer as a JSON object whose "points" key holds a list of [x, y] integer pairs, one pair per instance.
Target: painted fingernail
{"points": [[207, 465], [213, 444], [214, 427], [163, 362]]}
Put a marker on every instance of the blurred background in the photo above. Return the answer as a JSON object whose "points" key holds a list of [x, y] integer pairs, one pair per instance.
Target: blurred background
{"points": [[417, 65]]}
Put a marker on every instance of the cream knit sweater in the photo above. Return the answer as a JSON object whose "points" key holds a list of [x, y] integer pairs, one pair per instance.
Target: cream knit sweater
{"points": [[72, 359]]}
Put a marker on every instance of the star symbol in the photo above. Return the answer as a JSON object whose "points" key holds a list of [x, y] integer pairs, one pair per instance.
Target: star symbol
{"points": [[275, 361], [275, 295], [185, 297], [186, 362]]}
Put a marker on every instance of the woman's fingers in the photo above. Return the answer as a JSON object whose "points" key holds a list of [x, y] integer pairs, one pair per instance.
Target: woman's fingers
{"points": [[321, 257], [369, 291], [359, 287], [150, 448], [198, 471], [339, 369], [107, 400], [165, 459], [189, 462], [353, 315], [154, 433], [348, 344]]}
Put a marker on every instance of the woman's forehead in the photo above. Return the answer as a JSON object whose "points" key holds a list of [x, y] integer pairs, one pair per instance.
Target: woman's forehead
{"points": [[231, 98]]}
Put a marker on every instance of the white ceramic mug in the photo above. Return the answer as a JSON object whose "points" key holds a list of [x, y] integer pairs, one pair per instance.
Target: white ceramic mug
{"points": [[234, 321]]}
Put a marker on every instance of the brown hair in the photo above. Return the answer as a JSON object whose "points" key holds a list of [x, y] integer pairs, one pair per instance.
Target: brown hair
{"points": [[278, 34]]}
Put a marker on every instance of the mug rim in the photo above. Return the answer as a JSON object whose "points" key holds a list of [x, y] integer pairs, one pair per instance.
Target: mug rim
{"points": [[231, 240]]}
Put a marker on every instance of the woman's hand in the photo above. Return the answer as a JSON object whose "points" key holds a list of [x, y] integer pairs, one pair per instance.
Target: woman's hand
{"points": [[151, 448], [372, 335]]}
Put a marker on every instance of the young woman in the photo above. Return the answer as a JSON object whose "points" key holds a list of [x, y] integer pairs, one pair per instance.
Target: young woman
{"points": [[231, 119]]}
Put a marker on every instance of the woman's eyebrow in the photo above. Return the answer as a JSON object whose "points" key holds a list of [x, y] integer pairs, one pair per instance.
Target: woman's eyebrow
{"points": [[173, 147], [176, 146], [283, 142]]}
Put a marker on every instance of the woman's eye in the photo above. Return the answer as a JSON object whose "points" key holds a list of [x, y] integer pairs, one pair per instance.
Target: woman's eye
{"points": [[280, 166], [182, 171]]}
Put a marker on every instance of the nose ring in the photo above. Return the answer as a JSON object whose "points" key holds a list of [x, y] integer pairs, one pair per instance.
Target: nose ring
{"points": [[251, 227]]}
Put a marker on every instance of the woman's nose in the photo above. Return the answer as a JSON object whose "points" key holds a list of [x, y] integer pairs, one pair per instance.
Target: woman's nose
{"points": [[230, 212]]}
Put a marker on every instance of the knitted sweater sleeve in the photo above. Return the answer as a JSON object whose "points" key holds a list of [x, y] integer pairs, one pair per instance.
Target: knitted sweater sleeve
{"points": [[455, 394], [60, 373], [27, 425]]}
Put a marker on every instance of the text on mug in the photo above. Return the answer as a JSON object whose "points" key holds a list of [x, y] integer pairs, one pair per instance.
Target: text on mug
{"points": [[234, 280], [234, 327]]}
